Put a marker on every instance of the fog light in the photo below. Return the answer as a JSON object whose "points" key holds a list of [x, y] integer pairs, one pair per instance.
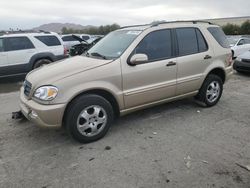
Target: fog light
{"points": [[33, 114]]}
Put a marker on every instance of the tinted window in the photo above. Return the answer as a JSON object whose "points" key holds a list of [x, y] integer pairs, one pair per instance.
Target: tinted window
{"points": [[85, 37], [241, 42], [1, 45], [246, 41], [68, 38], [156, 45], [187, 41], [49, 40], [219, 36], [18, 43], [202, 45]]}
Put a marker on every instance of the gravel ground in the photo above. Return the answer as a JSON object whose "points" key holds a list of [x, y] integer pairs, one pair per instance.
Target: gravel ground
{"points": [[178, 144]]}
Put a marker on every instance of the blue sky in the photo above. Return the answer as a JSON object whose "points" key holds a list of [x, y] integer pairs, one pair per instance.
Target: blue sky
{"points": [[26, 14]]}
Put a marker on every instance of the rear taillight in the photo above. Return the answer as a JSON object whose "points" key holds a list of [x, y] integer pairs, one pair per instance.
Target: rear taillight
{"points": [[229, 60], [65, 51]]}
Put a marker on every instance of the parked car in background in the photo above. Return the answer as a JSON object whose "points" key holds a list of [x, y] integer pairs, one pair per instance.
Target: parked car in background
{"points": [[79, 49], [239, 45], [129, 69], [242, 62], [20, 53], [88, 38], [69, 41]]}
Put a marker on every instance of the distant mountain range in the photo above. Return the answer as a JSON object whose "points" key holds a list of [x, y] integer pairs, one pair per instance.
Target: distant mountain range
{"points": [[57, 27]]}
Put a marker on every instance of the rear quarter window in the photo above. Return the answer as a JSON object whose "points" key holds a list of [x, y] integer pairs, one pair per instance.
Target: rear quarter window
{"points": [[1, 45], [219, 36], [49, 40]]}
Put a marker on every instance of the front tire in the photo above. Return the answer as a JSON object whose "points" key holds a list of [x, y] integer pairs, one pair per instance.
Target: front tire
{"points": [[211, 90], [89, 118]]}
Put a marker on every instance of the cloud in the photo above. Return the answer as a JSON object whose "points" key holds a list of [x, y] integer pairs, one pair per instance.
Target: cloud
{"points": [[29, 13]]}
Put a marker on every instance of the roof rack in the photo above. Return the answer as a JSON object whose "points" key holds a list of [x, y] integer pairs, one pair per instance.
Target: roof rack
{"points": [[23, 31], [184, 21], [167, 22], [135, 26]]}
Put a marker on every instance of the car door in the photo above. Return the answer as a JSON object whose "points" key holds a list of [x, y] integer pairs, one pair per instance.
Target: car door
{"points": [[20, 50], [155, 79], [3, 58], [247, 44], [194, 57], [242, 47]]}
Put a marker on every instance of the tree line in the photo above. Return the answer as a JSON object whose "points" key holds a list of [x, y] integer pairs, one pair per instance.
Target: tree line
{"points": [[101, 30], [229, 29], [233, 29]]}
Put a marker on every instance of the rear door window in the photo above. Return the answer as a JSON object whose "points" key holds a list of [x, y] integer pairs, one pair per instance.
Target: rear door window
{"points": [[187, 41], [156, 45], [49, 40], [18, 43], [219, 36], [190, 41]]}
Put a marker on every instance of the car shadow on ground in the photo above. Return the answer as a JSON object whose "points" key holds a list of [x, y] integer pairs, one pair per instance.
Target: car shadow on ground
{"points": [[245, 74], [122, 125], [8, 87]]}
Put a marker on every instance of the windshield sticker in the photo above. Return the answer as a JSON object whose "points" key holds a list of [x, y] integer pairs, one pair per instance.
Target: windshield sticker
{"points": [[133, 32]]}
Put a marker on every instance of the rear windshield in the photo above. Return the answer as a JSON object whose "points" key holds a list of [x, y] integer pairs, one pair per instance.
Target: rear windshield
{"points": [[219, 36]]}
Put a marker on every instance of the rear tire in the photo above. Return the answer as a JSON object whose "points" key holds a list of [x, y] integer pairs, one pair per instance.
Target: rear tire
{"points": [[211, 90], [41, 62], [89, 118]]}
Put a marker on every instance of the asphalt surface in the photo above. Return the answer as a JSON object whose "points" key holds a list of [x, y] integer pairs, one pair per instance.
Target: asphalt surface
{"points": [[179, 144]]}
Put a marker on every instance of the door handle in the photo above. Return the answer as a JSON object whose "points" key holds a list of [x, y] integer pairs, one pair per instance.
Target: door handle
{"points": [[171, 63], [207, 57]]}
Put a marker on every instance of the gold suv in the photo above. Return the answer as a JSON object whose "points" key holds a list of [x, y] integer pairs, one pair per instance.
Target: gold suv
{"points": [[130, 69]]}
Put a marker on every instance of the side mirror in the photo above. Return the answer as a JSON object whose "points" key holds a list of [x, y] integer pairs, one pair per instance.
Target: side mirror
{"points": [[138, 59]]}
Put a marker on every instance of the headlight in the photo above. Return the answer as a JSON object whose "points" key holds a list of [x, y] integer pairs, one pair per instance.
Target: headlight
{"points": [[46, 93]]}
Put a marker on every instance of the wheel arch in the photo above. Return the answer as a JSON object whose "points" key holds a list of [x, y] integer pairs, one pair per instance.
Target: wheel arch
{"points": [[39, 56], [101, 92], [219, 72]]}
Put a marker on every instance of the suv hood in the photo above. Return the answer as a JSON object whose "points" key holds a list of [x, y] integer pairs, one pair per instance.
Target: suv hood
{"points": [[48, 74]]}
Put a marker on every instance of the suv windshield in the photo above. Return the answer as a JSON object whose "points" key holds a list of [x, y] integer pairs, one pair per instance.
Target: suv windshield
{"points": [[114, 44]]}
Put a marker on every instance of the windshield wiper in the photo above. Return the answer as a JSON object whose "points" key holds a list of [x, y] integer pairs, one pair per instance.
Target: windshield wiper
{"points": [[96, 54]]}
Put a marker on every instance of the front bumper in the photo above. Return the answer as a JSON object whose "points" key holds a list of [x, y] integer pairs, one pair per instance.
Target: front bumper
{"points": [[42, 115], [241, 66]]}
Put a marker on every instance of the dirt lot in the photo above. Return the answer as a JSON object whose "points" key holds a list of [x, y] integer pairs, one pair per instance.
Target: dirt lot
{"points": [[174, 145]]}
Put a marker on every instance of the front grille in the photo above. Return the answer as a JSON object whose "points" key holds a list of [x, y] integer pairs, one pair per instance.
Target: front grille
{"points": [[27, 87], [246, 60]]}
